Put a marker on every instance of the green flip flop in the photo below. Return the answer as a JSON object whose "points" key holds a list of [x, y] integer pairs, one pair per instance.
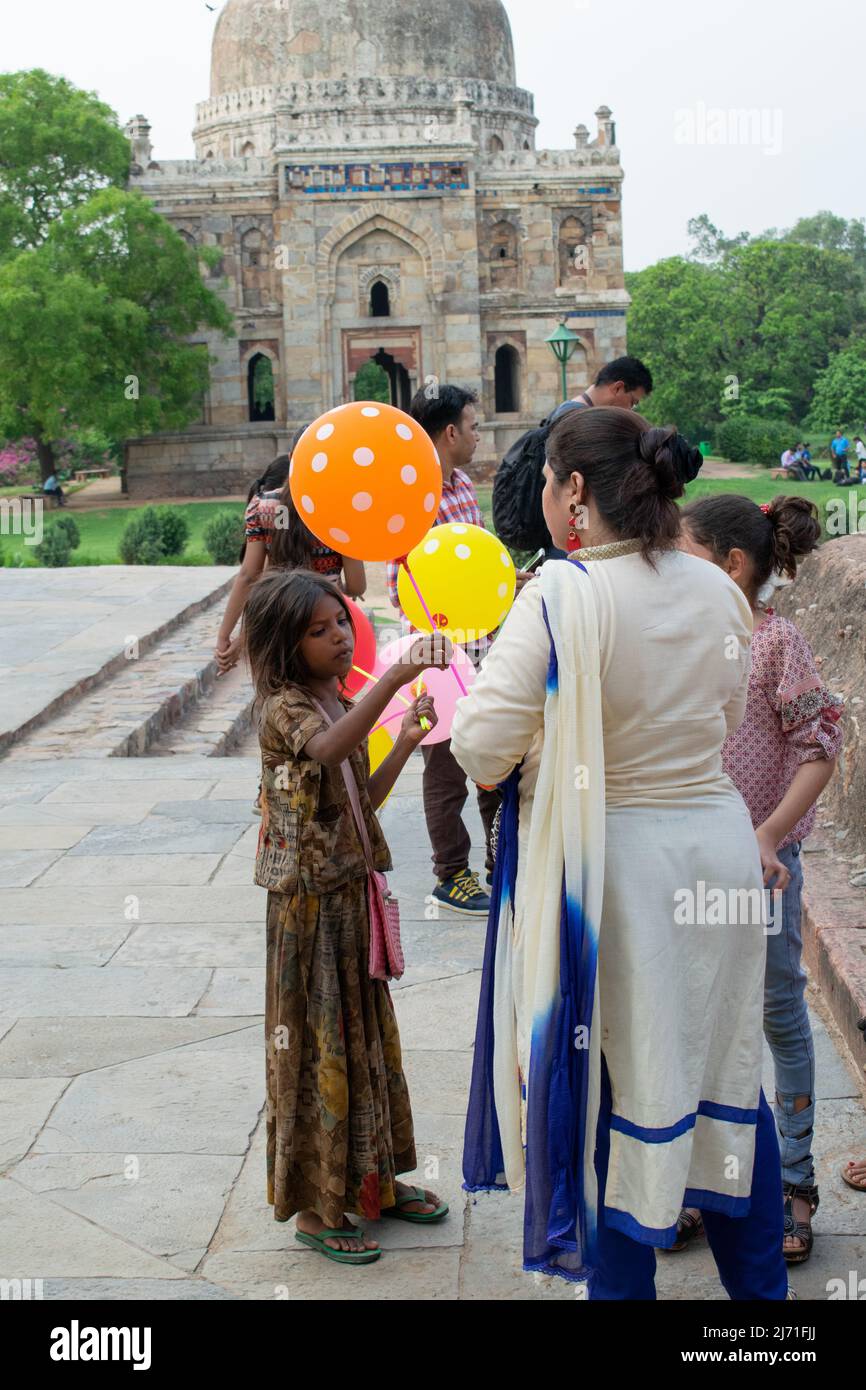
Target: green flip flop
{"points": [[343, 1257], [423, 1218]]}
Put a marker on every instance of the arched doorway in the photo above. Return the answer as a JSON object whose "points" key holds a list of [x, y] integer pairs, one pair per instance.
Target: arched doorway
{"points": [[398, 378], [260, 388], [506, 379], [372, 383]]}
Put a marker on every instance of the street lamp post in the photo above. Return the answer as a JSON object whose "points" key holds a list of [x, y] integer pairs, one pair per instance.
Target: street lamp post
{"points": [[562, 344]]}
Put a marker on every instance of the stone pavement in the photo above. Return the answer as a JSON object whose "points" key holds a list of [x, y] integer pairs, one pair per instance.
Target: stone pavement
{"points": [[132, 1058], [60, 630]]}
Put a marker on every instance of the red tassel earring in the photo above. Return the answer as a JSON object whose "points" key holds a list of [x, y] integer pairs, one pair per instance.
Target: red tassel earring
{"points": [[573, 542]]}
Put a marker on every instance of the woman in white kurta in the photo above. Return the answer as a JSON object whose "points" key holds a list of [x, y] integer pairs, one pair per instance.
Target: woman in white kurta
{"points": [[618, 1060]]}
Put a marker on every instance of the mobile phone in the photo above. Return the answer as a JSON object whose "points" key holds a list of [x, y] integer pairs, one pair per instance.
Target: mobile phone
{"points": [[536, 561]]}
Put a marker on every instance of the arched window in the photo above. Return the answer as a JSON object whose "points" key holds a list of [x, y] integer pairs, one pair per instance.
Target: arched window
{"points": [[247, 149], [260, 388], [526, 145], [495, 145], [254, 268], [573, 250], [506, 379], [208, 154], [503, 256], [380, 300]]}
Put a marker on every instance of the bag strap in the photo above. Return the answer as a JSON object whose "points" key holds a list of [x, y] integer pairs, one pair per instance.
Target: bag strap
{"points": [[354, 797]]}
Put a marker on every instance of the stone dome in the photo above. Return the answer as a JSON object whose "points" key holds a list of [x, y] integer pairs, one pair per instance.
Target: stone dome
{"points": [[259, 43]]}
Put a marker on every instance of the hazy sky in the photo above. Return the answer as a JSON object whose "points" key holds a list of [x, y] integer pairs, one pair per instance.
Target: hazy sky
{"points": [[674, 72]]}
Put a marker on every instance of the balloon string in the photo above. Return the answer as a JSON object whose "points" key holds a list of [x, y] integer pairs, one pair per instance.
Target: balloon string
{"points": [[429, 616], [423, 721]]}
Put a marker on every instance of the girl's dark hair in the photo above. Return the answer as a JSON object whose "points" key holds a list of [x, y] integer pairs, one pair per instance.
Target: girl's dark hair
{"points": [[633, 471], [276, 476], [276, 617], [775, 540]]}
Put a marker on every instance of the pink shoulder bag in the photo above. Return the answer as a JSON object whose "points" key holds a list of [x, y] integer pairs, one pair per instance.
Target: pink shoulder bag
{"points": [[386, 950]]}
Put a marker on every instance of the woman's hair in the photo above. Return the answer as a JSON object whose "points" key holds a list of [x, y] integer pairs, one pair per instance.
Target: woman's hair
{"points": [[276, 476], [273, 477], [633, 471], [775, 539], [292, 543], [276, 617]]}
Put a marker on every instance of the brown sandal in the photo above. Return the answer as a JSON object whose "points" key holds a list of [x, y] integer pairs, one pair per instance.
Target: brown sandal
{"points": [[800, 1230], [689, 1228]]}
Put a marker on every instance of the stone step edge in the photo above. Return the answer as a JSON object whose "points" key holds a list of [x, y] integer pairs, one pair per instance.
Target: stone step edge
{"points": [[834, 946], [112, 667]]}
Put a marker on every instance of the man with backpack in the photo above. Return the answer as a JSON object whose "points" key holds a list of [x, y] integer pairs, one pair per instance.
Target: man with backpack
{"points": [[518, 485]]}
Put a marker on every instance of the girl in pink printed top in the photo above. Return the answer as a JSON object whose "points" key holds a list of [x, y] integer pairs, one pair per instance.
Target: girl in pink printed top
{"points": [[780, 760]]}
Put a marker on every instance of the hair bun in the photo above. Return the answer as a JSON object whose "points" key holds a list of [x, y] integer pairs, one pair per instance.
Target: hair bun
{"points": [[657, 448]]}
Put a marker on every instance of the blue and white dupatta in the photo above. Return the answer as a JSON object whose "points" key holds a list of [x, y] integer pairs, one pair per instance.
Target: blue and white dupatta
{"points": [[532, 1119]]}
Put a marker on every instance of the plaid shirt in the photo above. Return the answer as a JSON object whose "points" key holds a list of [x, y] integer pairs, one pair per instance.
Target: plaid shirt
{"points": [[459, 503]]}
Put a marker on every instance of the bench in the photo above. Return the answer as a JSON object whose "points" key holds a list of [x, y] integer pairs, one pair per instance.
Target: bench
{"points": [[82, 475]]}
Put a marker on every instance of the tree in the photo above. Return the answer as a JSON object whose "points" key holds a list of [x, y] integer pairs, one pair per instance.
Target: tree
{"points": [[676, 325], [840, 389], [832, 233], [93, 326], [58, 146], [371, 383], [708, 243]]}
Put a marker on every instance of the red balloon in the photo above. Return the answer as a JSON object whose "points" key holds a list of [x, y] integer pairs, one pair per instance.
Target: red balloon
{"points": [[365, 648]]}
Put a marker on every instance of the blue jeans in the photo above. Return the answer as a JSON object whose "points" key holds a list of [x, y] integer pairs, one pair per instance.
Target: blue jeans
{"points": [[747, 1249], [788, 1032]]}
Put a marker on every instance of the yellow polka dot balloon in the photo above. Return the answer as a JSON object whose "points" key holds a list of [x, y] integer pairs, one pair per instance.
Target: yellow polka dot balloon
{"points": [[366, 480], [466, 578]]}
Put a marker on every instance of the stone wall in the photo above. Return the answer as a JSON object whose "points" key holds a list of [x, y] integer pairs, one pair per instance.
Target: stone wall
{"points": [[209, 463], [828, 604]]}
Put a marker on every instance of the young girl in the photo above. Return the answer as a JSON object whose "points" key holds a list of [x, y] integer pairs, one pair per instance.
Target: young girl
{"points": [[275, 535], [339, 1123], [780, 759]]}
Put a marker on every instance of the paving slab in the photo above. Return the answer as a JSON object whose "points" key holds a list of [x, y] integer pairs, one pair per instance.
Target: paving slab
{"points": [[154, 991], [37, 1047], [160, 834], [52, 945], [135, 1290], [25, 1105], [220, 944], [144, 1198], [40, 1239], [181, 1102], [131, 870]]}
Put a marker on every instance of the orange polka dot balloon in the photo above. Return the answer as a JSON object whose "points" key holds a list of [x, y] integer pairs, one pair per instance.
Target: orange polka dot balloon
{"points": [[366, 480]]}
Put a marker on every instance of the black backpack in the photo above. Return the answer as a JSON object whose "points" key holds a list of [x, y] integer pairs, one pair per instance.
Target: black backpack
{"points": [[518, 519]]}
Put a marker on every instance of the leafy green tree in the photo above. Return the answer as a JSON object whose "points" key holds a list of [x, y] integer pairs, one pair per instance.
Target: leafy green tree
{"points": [[263, 385], [708, 243], [94, 326], [676, 325], [59, 146], [372, 384], [840, 389], [832, 233]]}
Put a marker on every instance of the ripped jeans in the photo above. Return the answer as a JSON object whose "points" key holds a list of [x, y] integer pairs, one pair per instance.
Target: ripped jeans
{"points": [[788, 1032]]}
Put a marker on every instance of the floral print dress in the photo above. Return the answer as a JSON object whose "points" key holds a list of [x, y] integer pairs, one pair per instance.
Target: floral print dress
{"points": [[339, 1123]]}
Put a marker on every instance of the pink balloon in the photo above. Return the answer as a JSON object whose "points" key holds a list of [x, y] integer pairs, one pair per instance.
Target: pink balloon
{"points": [[441, 685]]}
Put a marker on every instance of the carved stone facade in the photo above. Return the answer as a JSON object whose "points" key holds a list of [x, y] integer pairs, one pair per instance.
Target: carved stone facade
{"points": [[400, 213]]}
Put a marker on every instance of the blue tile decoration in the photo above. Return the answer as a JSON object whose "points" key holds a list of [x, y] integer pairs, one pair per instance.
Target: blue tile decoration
{"points": [[405, 176]]}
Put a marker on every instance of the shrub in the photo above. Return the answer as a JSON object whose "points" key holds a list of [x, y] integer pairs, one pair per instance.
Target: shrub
{"points": [[55, 549], [223, 537], [142, 542], [67, 525], [746, 438], [174, 529], [156, 534]]}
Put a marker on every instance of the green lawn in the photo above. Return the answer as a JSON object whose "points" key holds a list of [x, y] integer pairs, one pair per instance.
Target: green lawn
{"points": [[101, 532], [761, 488]]}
